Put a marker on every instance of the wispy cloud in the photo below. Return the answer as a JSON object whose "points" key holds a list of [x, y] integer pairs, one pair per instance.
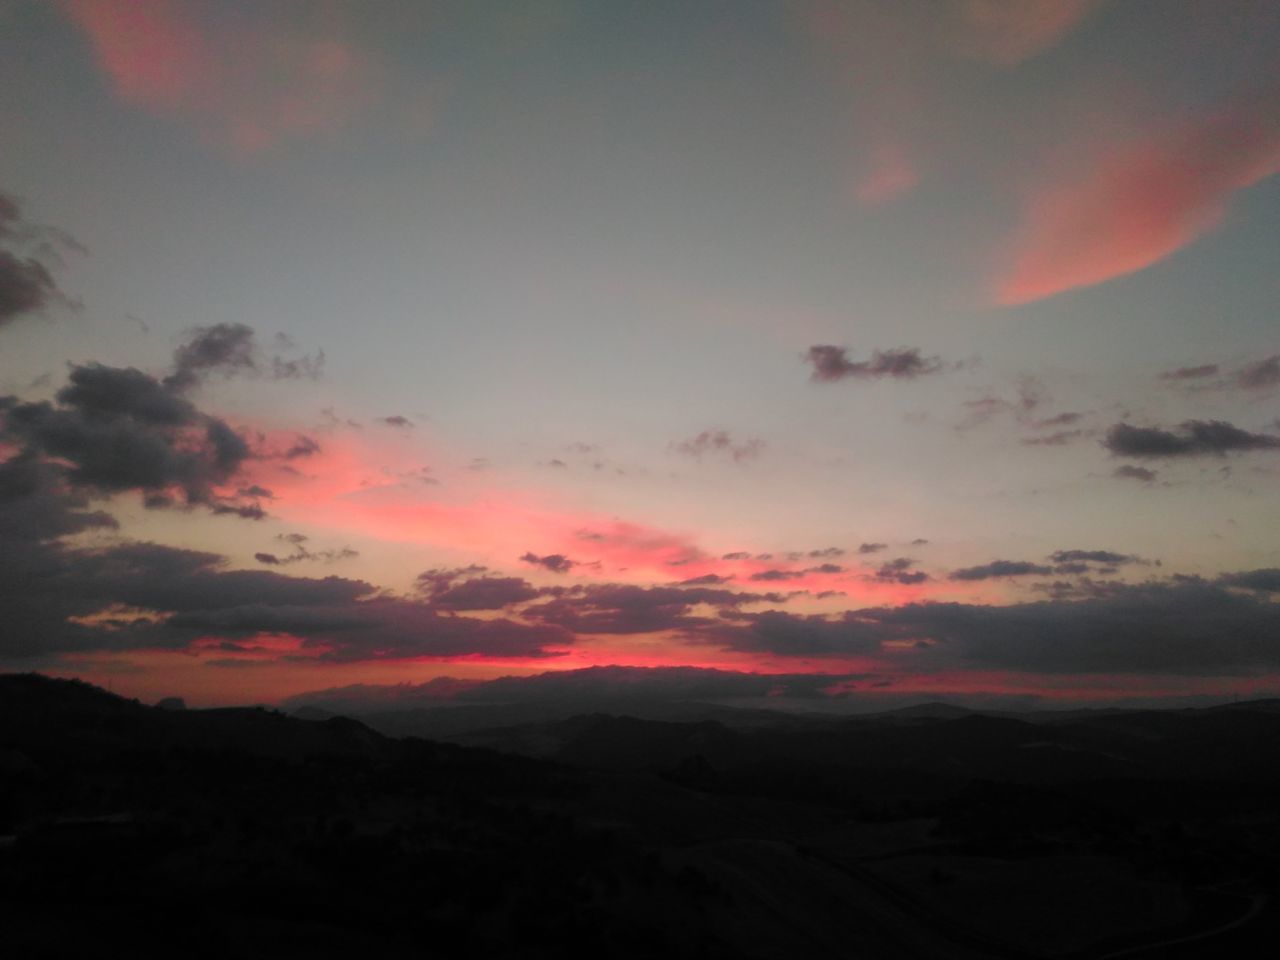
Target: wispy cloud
{"points": [[246, 82], [1139, 201]]}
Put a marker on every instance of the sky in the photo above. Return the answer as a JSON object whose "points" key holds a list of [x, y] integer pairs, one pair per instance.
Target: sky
{"points": [[910, 350]]}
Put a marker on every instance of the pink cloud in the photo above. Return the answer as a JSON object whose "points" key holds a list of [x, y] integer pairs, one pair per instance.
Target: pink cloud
{"points": [[891, 174], [898, 63], [245, 85], [1139, 203], [1007, 32]]}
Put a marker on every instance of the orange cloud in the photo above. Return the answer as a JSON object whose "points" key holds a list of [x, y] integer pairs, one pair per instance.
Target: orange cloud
{"points": [[245, 85], [1139, 203]]}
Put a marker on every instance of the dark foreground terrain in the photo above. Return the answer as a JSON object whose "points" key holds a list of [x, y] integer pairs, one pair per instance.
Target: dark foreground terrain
{"points": [[134, 830]]}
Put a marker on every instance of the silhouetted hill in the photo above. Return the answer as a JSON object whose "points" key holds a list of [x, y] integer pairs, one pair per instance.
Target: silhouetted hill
{"points": [[126, 828]]}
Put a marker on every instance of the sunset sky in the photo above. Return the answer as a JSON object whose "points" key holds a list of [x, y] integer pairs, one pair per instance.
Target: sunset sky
{"points": [[931, 346]]}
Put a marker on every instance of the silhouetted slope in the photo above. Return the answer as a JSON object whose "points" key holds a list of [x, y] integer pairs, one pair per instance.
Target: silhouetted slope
{"points": [[130, 829]]}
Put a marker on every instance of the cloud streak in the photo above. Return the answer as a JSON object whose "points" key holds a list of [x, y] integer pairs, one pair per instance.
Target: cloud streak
{"points": [[1140, 202]]}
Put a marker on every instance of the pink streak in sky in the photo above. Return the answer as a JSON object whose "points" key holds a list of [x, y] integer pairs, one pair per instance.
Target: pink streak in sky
{"points": [[1139, 203]]}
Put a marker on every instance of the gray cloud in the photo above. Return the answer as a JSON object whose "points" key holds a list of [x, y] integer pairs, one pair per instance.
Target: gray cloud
{"points": [[225, 348], [231, 349], [826, 553], [706, 580], [1000, 568], [831, 363], [1184, 627], [1194, 438], [467, 588], [555, 562], [899, 570], [120, 430], [26, 282], [719, 443], [1191, 373], [144, 595], [1128, 471], [1261, 375], [788, 634], [1107, 557], [1264, 581], [301, 553], [777, 575], [1160, 628], [1059, 438], [612, 608]]}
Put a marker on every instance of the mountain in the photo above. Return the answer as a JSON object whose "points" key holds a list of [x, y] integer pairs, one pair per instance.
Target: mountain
{"points": [[127, 828]]}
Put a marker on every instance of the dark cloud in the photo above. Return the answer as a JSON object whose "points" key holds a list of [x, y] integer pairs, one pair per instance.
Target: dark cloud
{"points": [[119, 429], [55, 599], [26, 282], [1191, 373], [1261, 375], [1059, 438], [1108, 557], [305, 367], [776, 575], [26, 286], [396, 420], [1188, 628], [1185, 627], [555, 562], [38, 504], [827, 553], [1059, 420], [611, 608], [466, 588], [872, 547], [1000, 568], [1264, 581], [719, 443], [1194, 438], [788, 634], [1128, 471], [245, 511], [301, 553], [231, 349], [225, 348], [898, 570], [304, 446], [737, 555], [831, 363], [706, 580]]}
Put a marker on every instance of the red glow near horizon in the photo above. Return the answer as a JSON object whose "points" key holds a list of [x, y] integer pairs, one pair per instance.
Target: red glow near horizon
{"points": [[337, 487]]}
